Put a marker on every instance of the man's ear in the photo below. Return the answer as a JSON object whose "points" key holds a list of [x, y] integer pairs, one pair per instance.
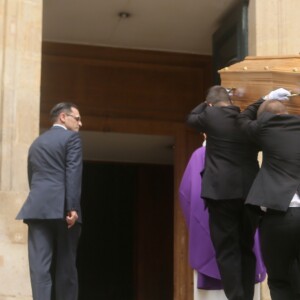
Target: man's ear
{"points": [[62, 117]]}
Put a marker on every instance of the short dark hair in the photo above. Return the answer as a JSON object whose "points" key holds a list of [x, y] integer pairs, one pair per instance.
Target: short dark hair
{"points": [[272, 106], [217, 94], [61, 107]]}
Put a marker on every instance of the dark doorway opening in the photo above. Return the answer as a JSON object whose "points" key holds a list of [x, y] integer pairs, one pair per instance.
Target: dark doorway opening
{"points": [[126, 248]]}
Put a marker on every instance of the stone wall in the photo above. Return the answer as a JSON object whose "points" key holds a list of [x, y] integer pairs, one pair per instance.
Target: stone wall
{"points": [[20, 68]]}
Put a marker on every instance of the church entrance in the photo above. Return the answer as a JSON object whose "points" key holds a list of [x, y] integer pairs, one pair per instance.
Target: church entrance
{"points": [[126, 246]]}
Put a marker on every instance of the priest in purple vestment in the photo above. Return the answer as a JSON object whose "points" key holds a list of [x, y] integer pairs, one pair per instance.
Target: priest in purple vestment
{"points": [[201, 251]]}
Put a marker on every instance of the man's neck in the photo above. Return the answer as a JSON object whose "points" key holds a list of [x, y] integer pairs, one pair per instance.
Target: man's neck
{"points": [[223, 103], [60, 125]]}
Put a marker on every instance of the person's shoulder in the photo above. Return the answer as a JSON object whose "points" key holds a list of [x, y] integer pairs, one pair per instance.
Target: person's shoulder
{"points": [[71, 136], [199, 151], [197, 155], [233, 108], [293, 120], [229, 109], [61, 130], [268, 116], [61, 134]]}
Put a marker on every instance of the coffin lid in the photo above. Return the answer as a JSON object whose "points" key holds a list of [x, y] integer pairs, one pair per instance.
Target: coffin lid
{"points": [[256, 76]]}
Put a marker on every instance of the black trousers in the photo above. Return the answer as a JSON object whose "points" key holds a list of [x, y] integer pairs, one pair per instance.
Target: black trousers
{"points": [[52, 251], [232, 226], [280, 244]]}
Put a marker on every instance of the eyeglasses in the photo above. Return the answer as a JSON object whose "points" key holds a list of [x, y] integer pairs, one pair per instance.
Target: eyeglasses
{"points": [[78, 119]]}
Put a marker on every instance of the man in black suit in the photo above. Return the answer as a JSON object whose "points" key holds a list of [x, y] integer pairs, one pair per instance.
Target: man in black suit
{"points": [[230, 168], [52, 208], [276, 190]]}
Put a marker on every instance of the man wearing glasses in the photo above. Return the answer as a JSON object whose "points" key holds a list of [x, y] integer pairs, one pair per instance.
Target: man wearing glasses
{"points": [[52, 209]]}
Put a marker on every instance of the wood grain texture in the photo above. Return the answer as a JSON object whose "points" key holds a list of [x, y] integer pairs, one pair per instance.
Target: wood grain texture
{"points": [[255, 77], [116, 83]]}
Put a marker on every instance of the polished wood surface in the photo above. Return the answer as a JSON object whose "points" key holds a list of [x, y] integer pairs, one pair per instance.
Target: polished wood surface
{"points": [[114, 83], [255, 77]]}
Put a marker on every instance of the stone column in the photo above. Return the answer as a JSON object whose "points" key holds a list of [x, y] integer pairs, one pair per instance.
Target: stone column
{"points": [[20, 70], [273, 30], [273, 27]]}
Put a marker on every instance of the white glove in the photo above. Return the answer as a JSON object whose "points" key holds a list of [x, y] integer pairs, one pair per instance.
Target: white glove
{"points": [[279, 94]]}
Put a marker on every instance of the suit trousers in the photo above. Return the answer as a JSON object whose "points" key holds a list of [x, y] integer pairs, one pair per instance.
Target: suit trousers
{"points": [[52, 249], [232, 228], [280, 244]]}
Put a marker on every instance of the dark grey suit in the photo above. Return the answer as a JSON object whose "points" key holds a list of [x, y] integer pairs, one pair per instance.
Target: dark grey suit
{"points": [[54, 173], [274, 187]]}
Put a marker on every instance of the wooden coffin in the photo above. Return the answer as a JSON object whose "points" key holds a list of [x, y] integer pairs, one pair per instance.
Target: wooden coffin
{"points": [[255, 77]]}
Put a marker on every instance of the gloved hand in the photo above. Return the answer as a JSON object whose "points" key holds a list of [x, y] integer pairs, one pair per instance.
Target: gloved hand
{"points": [[279, 94]]}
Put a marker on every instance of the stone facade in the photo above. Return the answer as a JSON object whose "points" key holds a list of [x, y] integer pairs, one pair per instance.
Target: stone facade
{"points": [[20, 69], [273, 27]]}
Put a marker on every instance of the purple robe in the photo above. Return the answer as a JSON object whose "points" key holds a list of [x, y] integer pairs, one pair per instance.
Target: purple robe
{"points": [[201, 251]]}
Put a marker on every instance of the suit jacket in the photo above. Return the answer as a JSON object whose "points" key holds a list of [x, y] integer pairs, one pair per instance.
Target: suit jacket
{"points": [[201, 251], [279, 176], [54, 175], [231, 159]]}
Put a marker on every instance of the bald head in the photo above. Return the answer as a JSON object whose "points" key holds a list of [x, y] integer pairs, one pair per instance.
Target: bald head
{"points": [[275, 107]]}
